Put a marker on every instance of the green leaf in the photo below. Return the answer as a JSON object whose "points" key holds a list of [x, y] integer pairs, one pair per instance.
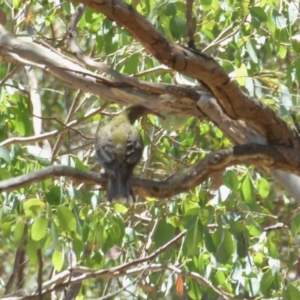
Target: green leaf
{"points": [[53, 197], [292, 13], [258, 12], [17, 3], [291, 293], [204, 216], [206, 3], [89, 15], [113, 235], [236, 227], [266, 282], [131, 64], [18, 232], [220, 277], [272, 248], [118, 228], [31, 250], [177, 27], [209, 243], [282, 51], [120, 208], [254, 229], [86, 231], [80, 165], [160, 236], [66, 218], [208, 33], [223, 242], [174, 221], [193, 236], [252, 51], [248, 193], [194, 211], [194, 289], [170, 10], [279, 19], [33, 206], [4, 153], [54, 234], [111, 42], [78, 247], [242, 244], [4, 174], [263, 188], [172, 122], [6, 229], [39, 228], [230, 179], [258, 259], [240, 74], [57, 260], [23, 125]]}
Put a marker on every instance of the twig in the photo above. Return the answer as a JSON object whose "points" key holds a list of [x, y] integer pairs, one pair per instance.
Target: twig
{"points": [[107, 287], [279, 226], [40, 273], [64, 125], [9, 75], [59, 140], [50, 134], [110, 296], [295, 121], [16, 266], [21, 273], [149, 240], [201, 280], [74, 20], [190, 28], [65, 278], [131, 81]]}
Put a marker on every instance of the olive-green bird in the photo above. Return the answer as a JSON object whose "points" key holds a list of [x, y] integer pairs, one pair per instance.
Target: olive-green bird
{"points": [[119, 148]]}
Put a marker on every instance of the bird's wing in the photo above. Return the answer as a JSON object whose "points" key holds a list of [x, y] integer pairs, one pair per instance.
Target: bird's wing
{"points": [[134, 149], [105, 149]]}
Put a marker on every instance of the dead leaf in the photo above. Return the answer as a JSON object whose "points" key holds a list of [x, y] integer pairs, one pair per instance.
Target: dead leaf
{"points": [[179, 285], [114, 252]]}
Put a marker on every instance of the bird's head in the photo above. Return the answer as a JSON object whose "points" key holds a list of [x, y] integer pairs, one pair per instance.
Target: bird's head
{"points": [[136, 111]]}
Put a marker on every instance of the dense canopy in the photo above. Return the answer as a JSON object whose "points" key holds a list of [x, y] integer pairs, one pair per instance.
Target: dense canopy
{"points": [[218, 185]]}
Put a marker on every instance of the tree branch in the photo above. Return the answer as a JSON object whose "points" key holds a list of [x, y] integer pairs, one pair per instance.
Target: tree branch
{"points": [[197, 65], [138, 91], [17, 262], [276, 157], [66, 278]]}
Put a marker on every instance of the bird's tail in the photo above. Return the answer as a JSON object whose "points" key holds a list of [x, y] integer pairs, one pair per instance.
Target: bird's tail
{"points": [[119, 187]]}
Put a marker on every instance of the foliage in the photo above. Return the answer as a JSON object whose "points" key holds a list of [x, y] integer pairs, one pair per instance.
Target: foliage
{"points": [[227, 218]]}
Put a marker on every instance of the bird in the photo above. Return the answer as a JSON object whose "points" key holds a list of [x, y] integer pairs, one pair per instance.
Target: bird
{"points": [[119, 147]]}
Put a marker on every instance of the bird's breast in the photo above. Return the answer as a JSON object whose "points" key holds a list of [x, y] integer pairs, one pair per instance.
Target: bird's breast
{"points": [[120, 137]]}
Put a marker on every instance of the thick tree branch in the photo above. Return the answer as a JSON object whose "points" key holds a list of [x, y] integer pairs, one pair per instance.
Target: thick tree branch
{"points": [[197, 65], [21, 52], [276, 157], [114, 91], [239, 133]]}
